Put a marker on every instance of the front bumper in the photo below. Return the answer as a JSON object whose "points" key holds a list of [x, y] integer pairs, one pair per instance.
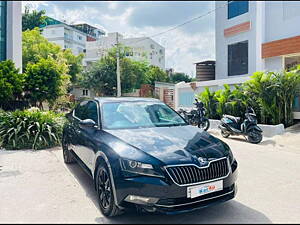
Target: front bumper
{"points": [[172, 198]]}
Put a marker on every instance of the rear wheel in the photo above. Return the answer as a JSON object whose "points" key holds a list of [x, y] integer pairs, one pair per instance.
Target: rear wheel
{"points": [[204, 125], [105, 192], [68, 158], [254, 136]]}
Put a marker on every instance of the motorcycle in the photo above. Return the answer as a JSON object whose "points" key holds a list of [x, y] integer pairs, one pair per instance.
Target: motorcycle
{"points": [[196, 117], [231, 125]]}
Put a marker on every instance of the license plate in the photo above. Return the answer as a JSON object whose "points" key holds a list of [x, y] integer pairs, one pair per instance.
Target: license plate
{"points": [[203, 189]]}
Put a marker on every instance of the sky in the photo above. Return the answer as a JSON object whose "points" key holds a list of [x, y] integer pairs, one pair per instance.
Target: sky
{"points": [[184, 46]]}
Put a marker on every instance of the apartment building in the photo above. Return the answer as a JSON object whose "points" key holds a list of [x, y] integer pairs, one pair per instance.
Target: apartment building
{"points": [[252, 36], [11, 31], [141, 49], [69, 36]]}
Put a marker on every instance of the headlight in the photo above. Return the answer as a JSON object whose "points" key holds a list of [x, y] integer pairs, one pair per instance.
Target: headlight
{"points": [[230, 155], [132, 166]]}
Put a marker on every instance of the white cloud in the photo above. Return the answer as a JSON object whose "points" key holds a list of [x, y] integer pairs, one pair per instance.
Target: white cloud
{"points": [[34, 5], [184, 47], [112, 4]]}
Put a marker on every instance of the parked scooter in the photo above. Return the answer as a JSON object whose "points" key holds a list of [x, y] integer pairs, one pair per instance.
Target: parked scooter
{"points": [[231, 125], [196, 117]]}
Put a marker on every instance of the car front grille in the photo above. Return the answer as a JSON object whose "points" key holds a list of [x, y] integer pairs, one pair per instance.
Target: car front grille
{"points": [[191, 174]]}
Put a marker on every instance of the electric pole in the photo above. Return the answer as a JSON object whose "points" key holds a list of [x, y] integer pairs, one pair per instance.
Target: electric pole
{"points": [[118, 69]]}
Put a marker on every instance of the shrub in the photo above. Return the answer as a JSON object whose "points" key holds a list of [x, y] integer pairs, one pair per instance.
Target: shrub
{"points": [[210, 103], [11, 82], [30, 129], [270, 94]]}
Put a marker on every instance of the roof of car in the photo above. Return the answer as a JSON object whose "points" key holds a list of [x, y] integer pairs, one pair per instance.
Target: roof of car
{"points": [[125, 99]]}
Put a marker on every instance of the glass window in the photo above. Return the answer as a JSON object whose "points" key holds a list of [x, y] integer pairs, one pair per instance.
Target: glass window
{"points": [[80, 110], [129, 115], [3, 5], [87, 110], [91, 112], [85, 92], [238, 58], [236, 8]]}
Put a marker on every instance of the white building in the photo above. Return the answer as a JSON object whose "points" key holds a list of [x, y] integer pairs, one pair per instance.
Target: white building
{"points": [[74, 37], [251, 36], [142, 49], [11, 32]]}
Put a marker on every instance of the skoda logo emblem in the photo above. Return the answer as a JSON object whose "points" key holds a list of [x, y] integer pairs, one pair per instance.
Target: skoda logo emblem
{"points": [[201, 160]]}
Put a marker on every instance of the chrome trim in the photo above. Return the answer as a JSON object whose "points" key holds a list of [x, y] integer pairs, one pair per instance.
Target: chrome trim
{"points": [[202, 182], [190, 203]]}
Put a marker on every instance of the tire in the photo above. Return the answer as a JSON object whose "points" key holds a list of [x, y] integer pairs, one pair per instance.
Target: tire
{"points": [[105, 192], [225, 134], [68, 157], [205, 124], [254, 136]]}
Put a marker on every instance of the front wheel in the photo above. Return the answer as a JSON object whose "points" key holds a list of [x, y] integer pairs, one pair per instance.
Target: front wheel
{"points": [[224, 134], [204, 125], [254, 136], [105, 192]]}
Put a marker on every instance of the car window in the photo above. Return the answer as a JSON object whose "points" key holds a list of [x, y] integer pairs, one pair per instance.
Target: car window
{"points": [[80, 110], [128, 115], [91, 112]]}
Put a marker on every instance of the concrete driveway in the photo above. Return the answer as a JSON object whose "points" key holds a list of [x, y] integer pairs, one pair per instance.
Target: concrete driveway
{"points": [[37, 187]]}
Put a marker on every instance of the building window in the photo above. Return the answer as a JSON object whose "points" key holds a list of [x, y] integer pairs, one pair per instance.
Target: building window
{"points": [[238, 58], [3, 7], [236, 8], [85, 92]]}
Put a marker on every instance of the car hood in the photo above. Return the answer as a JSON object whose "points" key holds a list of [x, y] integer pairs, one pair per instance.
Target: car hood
{"points": [[173, 145]]}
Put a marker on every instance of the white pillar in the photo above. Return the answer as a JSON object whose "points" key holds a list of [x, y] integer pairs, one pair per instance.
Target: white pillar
{"points": [[14, 33]]}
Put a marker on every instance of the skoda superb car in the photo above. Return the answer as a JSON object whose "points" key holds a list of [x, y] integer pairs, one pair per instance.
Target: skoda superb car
{"points": [[140, 152]]}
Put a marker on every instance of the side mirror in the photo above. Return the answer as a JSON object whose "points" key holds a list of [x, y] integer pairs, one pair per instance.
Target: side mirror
{"points": [[87, 123]]}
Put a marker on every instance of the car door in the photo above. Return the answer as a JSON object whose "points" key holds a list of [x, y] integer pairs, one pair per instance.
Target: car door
{"points": [[87, 135], [79, 114]]}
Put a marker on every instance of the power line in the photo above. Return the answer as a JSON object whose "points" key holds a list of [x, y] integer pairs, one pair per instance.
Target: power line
{"points": [[180, 25]]}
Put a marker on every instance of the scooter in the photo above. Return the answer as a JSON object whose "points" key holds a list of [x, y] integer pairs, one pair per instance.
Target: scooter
{"points": [[231, 125]]}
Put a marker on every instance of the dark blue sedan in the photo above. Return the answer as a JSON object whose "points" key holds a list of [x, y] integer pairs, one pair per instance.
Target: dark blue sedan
{"points": [[141, 153]]}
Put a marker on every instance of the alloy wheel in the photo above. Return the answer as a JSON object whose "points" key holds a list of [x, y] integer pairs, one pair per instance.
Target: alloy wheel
{"points": [[104, 188]]}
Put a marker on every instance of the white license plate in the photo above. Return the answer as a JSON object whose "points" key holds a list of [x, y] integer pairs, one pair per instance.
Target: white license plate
{"points": [[203, 189]]}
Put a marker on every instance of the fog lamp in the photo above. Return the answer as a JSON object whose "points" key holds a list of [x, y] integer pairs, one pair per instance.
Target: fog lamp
{"points": [[141, 200]]}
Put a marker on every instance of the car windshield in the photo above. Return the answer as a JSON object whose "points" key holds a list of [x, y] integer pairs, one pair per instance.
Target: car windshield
{"points": [[129, 115]]}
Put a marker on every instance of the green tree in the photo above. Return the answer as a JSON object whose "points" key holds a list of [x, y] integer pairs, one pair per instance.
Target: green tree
{"points": [[102, 76], [11, 81], [46, 80], [33, 19], [154, 73], [178, 77], [36, 47], [74, 63]]}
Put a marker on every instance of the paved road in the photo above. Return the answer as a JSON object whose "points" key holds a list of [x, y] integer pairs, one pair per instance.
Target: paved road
{"points": [[36, 187]]}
